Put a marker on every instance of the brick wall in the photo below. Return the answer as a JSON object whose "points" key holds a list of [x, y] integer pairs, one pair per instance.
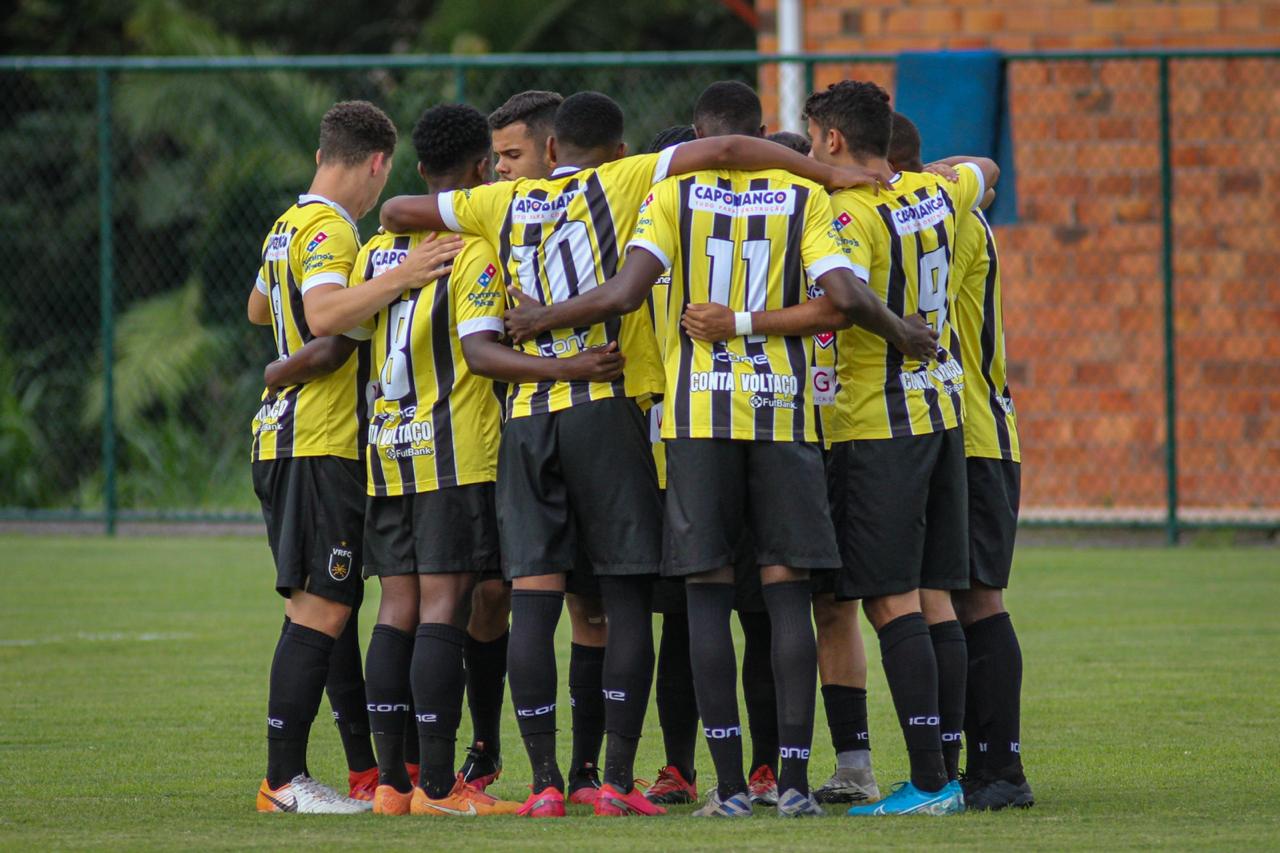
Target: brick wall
{"points": [[1083, 287]]}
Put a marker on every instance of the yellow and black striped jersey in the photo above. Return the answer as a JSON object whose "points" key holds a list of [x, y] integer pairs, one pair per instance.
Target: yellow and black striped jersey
{"points": [[745, 240], [657, 304], [901, 242], [823, 382], [559, 237], [434, 423], [990, 422], [313, 243]]}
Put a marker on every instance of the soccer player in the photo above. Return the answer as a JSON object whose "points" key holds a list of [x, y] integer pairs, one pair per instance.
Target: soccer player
{"points": [[306, 450], [557, 238], [993, 777], [794, 141], [737, 422]]}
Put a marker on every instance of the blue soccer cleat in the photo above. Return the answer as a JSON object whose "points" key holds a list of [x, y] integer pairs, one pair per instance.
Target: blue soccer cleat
{"points": [[908, 799]]}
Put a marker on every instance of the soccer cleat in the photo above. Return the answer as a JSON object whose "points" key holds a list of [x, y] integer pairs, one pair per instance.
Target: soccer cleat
{"points": [[481, 769], [462, 801], [739, 805], [971, 783], [546, 803], [908, 799], [584, 785], [849, 785], [792, 803], [363, 783], [387, 800], [671, 789], [1001, 794], [610, 802], [763, 787], [305, 795]]}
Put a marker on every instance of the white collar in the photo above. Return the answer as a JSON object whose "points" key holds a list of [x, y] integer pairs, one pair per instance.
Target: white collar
{"points": [[342, 211], [561, 171]]}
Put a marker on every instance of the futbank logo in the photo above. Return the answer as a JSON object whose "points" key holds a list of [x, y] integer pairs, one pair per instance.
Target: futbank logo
{"points": [[749, 203], [317, 240]]}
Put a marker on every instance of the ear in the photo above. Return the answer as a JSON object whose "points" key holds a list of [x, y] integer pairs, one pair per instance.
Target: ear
{"points": [[762, 132], [698, 132], [622, 151], [835, 141], [317, 157], [422, 171], [551, 151], [484, 169]]}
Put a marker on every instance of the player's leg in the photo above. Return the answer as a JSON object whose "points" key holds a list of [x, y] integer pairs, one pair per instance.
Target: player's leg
{"points": [[882, 549], [842, 672], [677, 705], [619, 520], [758, 692], [486, 663], [705, 512], [317, 570], [588, 634], [993, 737], [793, 534], [345, 688]]}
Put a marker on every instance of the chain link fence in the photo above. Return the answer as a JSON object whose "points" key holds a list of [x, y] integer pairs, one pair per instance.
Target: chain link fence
{"points": [[136, 193]]}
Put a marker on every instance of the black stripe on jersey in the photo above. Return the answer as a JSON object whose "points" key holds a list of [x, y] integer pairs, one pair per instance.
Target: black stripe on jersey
{"points": [[681, 413], [988, 342], [442, 360], [757, 229], [506, 393], [793, 288], [930, 393], [288, 423], [540, 399], [410, 400], [721, 401], [953, 344], [607, 259], [895, 399], [579, 391]]}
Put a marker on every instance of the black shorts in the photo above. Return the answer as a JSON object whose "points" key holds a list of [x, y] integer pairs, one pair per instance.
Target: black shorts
{"points": [[579, 479], [314, 510], [719, 489], [995, 489], [901, 515], [436, 532]]}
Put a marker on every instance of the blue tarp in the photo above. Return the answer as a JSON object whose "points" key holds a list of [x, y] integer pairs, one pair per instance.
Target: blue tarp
{"points": [[959, 100]]}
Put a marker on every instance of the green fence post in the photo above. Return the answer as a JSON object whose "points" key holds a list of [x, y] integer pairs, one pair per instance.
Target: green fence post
{"points": [[460, 83], [106, 296], [808, 77], [1170, 375]]}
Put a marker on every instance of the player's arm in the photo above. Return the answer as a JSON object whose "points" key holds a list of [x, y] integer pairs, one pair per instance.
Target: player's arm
{"points": [[987, 167], [749, 153], [486, 356], [987, 198], [475, 211], [259, 304], [404, 213], [318, 357], [333, 308], [622, 294]]}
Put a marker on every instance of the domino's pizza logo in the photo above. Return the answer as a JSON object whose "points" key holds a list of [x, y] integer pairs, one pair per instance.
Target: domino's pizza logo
{"points": [[841, 221], [317, 240], [487, 276], [648, 201]]}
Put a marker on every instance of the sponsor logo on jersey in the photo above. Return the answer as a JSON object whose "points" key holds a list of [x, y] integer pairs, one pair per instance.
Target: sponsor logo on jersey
{"points": [[526, 211], [923, 214], [386, 259], [824, 339], [824, 385], [841, 221], [317, 240], [487, 276], [278, 247], [771, 202], [340, 562]]}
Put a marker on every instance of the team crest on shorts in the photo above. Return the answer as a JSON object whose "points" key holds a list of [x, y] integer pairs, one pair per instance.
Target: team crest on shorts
{"points": [[340, 563]]}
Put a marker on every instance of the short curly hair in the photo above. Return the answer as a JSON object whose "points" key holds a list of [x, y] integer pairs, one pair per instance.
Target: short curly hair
{"points": [[859, 110], [351, 131], [667, 137], [589, 120], [448, 137]]}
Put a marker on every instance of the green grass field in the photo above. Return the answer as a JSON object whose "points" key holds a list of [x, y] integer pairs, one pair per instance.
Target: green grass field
{"points": [[134, 686]]}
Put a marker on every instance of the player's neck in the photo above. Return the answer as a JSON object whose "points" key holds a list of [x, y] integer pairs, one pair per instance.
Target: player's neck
{"points": [[342, 187], [869, 161]]}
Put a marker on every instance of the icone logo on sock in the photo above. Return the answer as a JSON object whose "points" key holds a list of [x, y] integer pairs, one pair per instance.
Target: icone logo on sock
{"points": [[615, 695], [722, 733], [922, 720], [386, 707], [535, 712], [801, 752]]}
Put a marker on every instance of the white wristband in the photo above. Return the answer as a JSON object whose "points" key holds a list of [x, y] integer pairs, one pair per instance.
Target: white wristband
{"points": [[742, 322]]}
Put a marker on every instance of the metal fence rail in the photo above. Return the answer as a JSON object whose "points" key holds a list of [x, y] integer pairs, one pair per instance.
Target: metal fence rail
{"points": [[1141, 318]]}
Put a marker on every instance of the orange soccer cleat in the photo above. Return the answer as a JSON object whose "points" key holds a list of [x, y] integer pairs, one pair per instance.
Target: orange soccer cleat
{"points": [[463, 801], [387, 800]]}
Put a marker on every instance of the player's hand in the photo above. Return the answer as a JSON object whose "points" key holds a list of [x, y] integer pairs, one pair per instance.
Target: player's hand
{"points": [[917, 339], [708, 321], [597, 364], [942, 170], [524, 318], [857, 176], [430, 259]]}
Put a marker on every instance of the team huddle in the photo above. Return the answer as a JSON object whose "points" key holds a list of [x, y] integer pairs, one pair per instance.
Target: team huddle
{"points": [[733, 373]]}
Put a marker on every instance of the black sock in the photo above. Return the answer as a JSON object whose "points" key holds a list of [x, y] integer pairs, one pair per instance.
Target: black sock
{"points": [[846, 717], [995, 685], [346, 690], [586, 701], [531, 670], [758, 691], [411, 738], [389, 700], [952, 655], [438, 684], [677, 705], [298, 673], [715, 679], [628, 672], [912, 672], [486, 681], [795, 671]]}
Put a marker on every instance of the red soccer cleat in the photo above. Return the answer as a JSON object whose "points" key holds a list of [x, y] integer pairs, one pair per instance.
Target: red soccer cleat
{"points": [[671, 788], [610, 802], [547, 803], [364, 783]]}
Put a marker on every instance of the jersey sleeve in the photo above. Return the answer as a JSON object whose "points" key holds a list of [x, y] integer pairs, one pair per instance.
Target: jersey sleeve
{"points": [[326, 253], [479, 210], [631, 177], [657, 226], [855, 239], [820, 248], [361, 272], [970, 188], [962, 257], [477, 291]]}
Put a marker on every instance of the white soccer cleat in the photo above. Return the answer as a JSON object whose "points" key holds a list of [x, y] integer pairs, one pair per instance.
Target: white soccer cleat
{"points": [[304, 795]]}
